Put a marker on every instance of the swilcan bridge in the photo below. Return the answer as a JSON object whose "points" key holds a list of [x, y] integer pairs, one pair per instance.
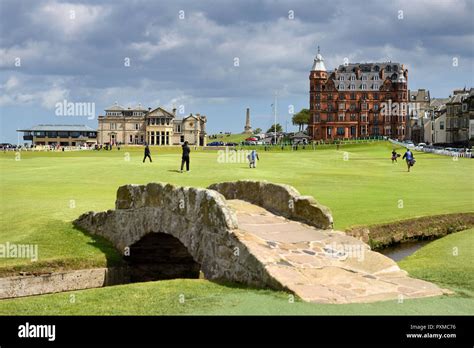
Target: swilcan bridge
{"points": [[252, 232]]}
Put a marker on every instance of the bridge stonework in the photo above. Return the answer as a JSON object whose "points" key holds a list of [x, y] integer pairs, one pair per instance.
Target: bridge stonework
{"points": [[256, 233]]}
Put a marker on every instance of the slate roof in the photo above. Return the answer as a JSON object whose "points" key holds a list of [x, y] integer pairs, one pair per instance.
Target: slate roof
{"points": [[420, 95], [369, 75]]}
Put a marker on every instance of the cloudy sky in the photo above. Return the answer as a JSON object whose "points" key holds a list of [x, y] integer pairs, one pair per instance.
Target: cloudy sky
{"points": [[215, 57]]}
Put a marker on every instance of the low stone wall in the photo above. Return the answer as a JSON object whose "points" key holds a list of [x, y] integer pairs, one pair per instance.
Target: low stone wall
{"points": [[278, 198], [19, 286], [428, 227], [199, 218]]}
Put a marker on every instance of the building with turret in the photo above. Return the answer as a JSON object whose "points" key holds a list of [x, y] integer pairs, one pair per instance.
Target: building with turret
{"points": [[357, 100]]}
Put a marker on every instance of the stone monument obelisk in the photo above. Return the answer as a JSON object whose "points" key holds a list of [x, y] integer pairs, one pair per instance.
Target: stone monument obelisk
{"points": [[248, 128]]}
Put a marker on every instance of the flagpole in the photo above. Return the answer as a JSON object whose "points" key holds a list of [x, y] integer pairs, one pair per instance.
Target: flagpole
{"points": [[275, 115]]}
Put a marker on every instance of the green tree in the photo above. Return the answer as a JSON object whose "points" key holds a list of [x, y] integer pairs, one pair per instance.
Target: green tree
{"points": [[279, 128], [301, 119], [257, 131]]}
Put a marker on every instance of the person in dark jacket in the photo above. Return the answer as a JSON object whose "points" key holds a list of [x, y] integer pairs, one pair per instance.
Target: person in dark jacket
{"points": [[147, 153], [394, 156], [185, 157]]}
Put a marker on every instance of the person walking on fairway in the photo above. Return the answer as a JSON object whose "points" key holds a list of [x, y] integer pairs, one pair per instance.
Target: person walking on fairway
{"points": [[408, 156], [147, 153], [395, 155], [185, 157], [253, 157]]}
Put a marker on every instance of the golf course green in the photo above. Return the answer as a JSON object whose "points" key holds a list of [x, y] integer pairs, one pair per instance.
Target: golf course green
{"points": [[41, 193]]}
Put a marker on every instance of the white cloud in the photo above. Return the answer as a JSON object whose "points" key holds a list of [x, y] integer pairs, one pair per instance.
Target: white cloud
{"points": [[69, 18], [12, 83]]}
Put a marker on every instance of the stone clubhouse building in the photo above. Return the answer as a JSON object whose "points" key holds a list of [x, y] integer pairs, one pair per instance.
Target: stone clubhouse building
{"points": [[348, 101], [137, 125]]}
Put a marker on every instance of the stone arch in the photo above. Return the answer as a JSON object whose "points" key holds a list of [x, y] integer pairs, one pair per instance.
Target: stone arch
{"points": [[159, 256], [199, 218]]}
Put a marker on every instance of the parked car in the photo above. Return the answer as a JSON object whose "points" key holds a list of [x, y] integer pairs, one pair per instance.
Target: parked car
{"points": [[216, 143], [231, 144]]}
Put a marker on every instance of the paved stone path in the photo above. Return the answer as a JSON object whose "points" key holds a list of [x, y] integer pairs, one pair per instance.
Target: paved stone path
{"points": [[324, 266]]}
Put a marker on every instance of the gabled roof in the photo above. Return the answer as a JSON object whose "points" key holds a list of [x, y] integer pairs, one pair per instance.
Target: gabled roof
{"points": [[437, 102], [139, 107], [190, 116], [115, 107], [458, 98], [159, 111]]}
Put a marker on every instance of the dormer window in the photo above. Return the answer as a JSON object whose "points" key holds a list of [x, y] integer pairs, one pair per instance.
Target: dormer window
{"points": [[353, 87], [364, 86], [376, 78], [353, 77], [341, 86], [364, 77], [375, 87], [341, 78]]}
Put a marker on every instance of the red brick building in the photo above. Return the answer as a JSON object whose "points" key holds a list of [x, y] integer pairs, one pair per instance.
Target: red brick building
{"points": [[358, 100]]}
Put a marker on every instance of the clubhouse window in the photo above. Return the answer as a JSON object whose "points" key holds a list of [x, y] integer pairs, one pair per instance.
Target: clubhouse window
{"points": [[340, 130]]}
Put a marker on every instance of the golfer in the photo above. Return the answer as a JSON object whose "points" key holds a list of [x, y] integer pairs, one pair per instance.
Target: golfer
{"points": [[147, 153], [394, 156], [408, 156], [185, 156], [253, 157]]}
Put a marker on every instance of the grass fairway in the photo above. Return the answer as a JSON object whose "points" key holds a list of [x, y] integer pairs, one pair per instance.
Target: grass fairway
{"points": [[43, 192], [207, 298]]}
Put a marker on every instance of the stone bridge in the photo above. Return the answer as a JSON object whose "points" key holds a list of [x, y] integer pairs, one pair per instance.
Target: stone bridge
{"points": [[256, 233]]}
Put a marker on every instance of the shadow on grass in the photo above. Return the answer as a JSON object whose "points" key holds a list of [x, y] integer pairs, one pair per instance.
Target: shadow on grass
{"points": [[245, 287], [112, 255], [58, 251]]}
